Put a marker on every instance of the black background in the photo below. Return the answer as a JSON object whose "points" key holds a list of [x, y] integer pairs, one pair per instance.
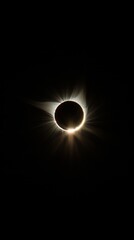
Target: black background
{"points": [[30, 153]]}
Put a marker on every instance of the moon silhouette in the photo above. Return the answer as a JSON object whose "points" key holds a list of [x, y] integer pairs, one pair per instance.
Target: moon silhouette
{"points": [[69, 115]]}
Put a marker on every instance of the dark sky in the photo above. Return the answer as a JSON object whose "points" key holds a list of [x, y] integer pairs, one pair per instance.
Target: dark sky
{"points": [[30, 154]]}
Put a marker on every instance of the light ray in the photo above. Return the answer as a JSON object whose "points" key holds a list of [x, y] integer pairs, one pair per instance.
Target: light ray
{"points": [[72, 136]]}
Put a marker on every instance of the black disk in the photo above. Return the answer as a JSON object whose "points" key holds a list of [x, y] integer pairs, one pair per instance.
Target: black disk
{"points": [[69, 115]]}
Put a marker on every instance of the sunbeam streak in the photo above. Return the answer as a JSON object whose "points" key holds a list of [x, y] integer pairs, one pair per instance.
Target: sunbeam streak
{"points": [[67, 132]]}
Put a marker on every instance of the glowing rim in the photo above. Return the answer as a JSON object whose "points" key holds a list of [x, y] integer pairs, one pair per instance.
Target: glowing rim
{"points": [[70, 130]]}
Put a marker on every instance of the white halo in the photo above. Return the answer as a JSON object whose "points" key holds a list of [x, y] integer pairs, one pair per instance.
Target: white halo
{"points": [[71, 130], [50, 107]]}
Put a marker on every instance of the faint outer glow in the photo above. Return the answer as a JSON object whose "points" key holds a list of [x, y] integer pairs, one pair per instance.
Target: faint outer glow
{"points": [[71, 130]]}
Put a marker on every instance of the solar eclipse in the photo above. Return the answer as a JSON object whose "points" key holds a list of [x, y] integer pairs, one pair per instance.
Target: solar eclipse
{"points": [[69, 116]]}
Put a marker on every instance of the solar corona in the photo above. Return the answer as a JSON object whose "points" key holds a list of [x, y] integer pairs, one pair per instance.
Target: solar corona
{"points": [[68, 114]]}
